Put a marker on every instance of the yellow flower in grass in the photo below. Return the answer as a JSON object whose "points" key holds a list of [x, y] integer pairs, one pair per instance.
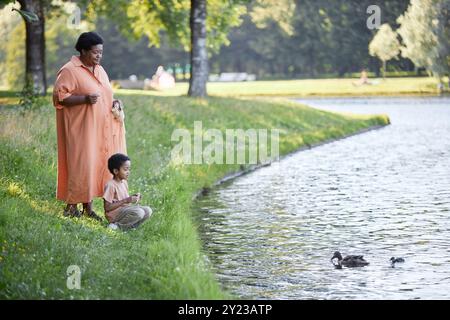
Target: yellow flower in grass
{"points": [[14, 189]]}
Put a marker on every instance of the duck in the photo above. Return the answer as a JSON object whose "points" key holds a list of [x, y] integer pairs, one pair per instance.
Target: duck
{"points": [[349, 261], [395, 260]]}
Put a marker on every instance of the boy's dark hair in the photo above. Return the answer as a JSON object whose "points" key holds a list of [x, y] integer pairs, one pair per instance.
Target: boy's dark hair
{"points": [[116, 161], [88, 39]]}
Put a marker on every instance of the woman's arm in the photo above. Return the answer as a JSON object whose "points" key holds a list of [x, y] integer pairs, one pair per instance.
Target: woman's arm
{"points": [[75, 100]]}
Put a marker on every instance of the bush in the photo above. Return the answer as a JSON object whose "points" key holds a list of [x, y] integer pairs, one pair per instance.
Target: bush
{"points": [[30, 99]]}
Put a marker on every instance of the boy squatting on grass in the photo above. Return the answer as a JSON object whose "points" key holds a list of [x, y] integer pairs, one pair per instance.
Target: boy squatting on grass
{"points": [[116, 199]]}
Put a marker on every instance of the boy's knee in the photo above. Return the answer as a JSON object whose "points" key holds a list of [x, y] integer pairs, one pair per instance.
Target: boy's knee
{"points": [[147, 211]]}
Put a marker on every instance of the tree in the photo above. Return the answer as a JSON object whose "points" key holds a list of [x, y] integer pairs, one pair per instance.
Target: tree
{"points": [[33, 13], [424, 29], [315, 38], [145, 59], [199, 54], [60, 37], [385, 45], [183, 21], [9, 24], [35, 46]]}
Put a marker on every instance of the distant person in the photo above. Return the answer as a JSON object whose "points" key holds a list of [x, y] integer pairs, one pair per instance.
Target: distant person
{"points": [[364, 79], [87, 131], [117, 202], [441, 84], [161, 80]]}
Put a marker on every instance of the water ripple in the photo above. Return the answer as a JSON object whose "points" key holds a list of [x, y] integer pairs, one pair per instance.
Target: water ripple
{"points": [[271, 234]]}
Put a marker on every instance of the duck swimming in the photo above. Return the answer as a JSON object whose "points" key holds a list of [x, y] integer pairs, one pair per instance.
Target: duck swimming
{"points": [[396, 260], [349, 261]]}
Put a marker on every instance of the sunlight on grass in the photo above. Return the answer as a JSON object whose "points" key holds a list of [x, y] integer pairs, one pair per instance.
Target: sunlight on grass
{"points": [[301, 88]]}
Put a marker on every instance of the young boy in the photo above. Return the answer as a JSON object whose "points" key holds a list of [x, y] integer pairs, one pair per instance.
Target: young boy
{"points": [[116, 199]]}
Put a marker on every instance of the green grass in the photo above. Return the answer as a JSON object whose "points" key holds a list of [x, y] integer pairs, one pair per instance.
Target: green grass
{"points": [[299, 88], [9, 98], [289, 88], [163, 258]]}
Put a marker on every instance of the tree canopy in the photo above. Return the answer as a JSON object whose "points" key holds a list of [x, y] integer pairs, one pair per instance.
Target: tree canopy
{"points": [[385, 45], [272, 39], [154, 19], [425, 33]]}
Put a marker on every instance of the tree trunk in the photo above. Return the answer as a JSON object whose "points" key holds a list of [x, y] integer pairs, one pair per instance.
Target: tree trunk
{"points": [[35, 46], [199, 54], [384, 69]]}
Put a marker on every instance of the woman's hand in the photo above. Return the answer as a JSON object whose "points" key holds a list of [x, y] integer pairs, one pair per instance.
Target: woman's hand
{"points": [[92, 98]]}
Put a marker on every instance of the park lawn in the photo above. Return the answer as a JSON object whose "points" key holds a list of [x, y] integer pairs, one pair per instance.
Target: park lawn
{"points": [[8, 97], [309, 87], [162, 259]]}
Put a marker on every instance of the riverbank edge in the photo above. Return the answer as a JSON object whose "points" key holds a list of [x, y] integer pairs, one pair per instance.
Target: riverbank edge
{"points": [[379, 94], [233, 175], [314, 95]]}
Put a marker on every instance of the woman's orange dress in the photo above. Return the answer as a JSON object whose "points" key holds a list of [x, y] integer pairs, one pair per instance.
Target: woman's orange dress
{"points": [[87, 134]]}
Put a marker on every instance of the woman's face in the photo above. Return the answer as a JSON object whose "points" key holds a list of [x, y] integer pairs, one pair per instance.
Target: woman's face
{"points": [[93, 56]]}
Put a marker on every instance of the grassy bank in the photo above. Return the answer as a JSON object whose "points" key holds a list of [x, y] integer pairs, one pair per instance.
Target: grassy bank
{"points": [[311, 87], [163, 258]]}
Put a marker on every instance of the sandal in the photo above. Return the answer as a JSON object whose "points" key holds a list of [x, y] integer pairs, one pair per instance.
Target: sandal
{"points": [[72, 212], [93, 215]]}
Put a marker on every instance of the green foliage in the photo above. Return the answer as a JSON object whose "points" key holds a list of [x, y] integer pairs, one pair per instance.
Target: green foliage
{"points": [[30, 98], [60, 40], [14, 62], [4, 3], [8, 22], [60, 37], [264, 12], [385, 44], [328, 37], [153, 18], [425, 34]]}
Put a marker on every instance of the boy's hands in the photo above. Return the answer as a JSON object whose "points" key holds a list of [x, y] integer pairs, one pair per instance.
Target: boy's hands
{"points": [[139, 196], [135, 198]]}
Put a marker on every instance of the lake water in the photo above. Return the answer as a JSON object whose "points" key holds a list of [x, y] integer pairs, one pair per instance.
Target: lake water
{"points": [[270, 234]]}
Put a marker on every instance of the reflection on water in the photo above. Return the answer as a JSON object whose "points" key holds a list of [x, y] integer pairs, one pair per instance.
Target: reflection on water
{"points": [[271, 234]]}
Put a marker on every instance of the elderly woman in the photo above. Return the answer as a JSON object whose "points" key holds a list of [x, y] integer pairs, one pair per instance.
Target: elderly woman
{"points": [[88, 133]]}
